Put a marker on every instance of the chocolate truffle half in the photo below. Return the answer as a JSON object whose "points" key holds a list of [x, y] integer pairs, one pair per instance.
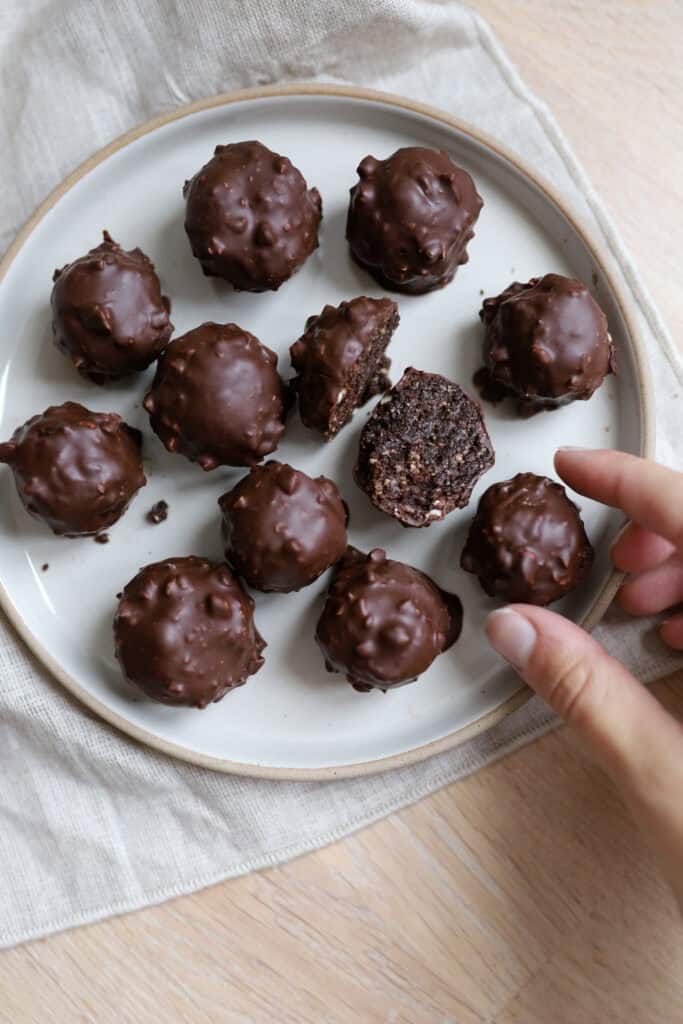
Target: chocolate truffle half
{"points": [[281, 528], [384, 622], [410, 218], [184, 632], [75, 469], [340, 361], [527, 541], [250, 217], [423, 449], [546, 343], [108, 314], [217, 398]]}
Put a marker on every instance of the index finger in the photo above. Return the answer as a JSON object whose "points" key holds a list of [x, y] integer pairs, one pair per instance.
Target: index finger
{"points": [[649, 494]]}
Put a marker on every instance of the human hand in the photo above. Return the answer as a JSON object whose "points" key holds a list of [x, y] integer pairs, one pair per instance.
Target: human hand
{"points": [[627, 730]]}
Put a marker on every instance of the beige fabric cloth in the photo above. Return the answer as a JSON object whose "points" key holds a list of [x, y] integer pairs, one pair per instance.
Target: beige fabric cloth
{"points": [[91, 824]]}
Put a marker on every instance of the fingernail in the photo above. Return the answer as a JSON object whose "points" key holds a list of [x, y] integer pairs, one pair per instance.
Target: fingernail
{"points": [[573, 448], [511, 635]]}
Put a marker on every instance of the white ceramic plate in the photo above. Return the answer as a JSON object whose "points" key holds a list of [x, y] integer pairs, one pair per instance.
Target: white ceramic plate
{"points": [[293, 719]]}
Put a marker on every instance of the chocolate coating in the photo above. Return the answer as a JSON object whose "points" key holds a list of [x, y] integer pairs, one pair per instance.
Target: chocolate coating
{"points": [[250, 217], [410, 218], [184, 632], [108, 314], [75, 469], [423, 449], [281, 528], [527, 541], [340, 358], [384, 622], [546, 342], [217, 398]]}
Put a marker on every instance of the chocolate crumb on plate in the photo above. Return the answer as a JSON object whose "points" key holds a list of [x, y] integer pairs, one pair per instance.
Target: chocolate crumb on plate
{"points": [[158, 512]]}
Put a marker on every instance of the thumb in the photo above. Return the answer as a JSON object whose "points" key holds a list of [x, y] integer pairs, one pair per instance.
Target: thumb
{"points": [[628, 732]]}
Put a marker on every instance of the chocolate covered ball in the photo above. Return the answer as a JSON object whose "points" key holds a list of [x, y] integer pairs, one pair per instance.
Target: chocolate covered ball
{"points": [[217, 398], [340, 361], [75, 469], [527, 541], [384, 622], [546, 343], [250, 217], [282, 528], [108, 314], [184, 632], [410, 218]]}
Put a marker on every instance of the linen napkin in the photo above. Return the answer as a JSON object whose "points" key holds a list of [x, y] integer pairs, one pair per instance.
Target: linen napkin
{"points": [[92, 824]]}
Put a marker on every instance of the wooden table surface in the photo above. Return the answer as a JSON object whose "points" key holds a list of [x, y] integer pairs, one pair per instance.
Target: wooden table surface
{"points": [[522, 895]]}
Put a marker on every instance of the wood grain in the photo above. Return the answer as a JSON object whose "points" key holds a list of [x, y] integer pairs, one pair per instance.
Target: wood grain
{"points": [[522, 895]]}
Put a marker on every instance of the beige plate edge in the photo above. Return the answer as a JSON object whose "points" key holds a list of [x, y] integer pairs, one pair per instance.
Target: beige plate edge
{"points": [[606, 593]]}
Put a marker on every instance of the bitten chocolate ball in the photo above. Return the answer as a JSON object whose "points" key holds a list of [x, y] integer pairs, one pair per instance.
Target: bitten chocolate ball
{"points": [[250, 217], [546, 343], [410, 218], [384, 622], [217, 398], [108, 314], [184, 632], [527, 541], [340, 361], [75, 469], [423, 449], [281, 528]]}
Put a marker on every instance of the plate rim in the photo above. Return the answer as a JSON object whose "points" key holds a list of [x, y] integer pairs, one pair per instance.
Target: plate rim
{"points": [[607, 590]]}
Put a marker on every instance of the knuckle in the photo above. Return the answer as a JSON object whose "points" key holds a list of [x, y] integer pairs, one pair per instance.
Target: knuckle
{"points": [[572, 691]]}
